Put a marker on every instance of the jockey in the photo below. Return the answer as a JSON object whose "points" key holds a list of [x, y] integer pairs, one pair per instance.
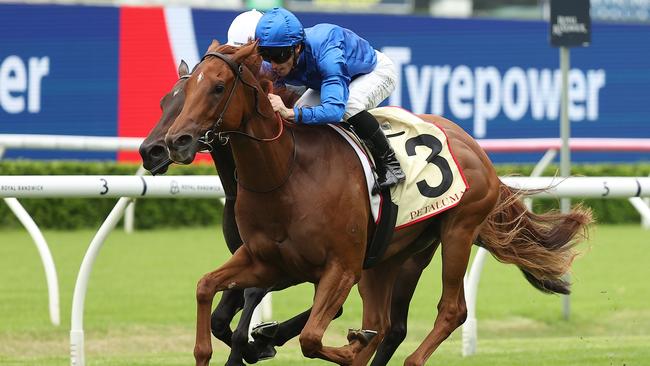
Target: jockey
{"points": [[344, 74], [242, 28]]}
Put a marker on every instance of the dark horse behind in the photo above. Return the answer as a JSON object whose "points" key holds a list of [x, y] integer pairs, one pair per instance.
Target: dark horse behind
{"points": [[303, 216]]}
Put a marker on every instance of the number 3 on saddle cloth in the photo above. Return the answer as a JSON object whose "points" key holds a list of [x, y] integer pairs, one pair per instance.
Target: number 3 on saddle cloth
{"points": [[434, 181]]}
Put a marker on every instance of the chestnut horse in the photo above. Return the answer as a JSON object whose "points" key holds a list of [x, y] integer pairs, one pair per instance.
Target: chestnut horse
{"points": [[155, 159], [303, 215]]}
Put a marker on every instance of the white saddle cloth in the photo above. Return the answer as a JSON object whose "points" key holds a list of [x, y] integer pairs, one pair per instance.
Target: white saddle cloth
{"points": [[434, 181]]}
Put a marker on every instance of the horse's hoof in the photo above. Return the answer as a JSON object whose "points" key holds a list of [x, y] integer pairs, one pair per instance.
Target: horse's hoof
{"points": [[265, 330], [364, 336], [250, 356], [256, 352], [267, 353]]}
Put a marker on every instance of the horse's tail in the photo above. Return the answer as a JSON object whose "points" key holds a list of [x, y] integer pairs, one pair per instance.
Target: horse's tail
{"points": [[541, 245]]}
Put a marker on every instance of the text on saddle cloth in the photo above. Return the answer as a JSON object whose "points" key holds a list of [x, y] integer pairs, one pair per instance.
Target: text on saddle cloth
{"points": [[434, 181]]}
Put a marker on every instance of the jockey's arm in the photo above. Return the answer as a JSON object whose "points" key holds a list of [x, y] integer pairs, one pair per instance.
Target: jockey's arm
{"points": [[334, 90]]}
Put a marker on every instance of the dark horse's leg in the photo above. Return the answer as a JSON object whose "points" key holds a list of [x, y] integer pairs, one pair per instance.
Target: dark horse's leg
{"points": [[263, 346], [403, 290], [290, 329], [238, 348], [232, 300]]}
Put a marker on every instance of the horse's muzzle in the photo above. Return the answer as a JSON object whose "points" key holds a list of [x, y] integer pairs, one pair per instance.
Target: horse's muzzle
{"points": [[153, 155], [182, 148]]}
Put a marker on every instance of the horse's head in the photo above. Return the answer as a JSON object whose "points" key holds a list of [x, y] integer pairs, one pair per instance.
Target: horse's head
{"points": [[153, 149], [221, 92]]}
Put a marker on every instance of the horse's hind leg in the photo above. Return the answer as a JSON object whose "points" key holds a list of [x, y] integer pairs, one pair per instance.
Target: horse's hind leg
{"points": [[457, 237], [403, 290], [240, 271]]}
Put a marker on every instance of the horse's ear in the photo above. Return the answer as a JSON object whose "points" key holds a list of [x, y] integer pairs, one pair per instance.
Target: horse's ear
{"points": [[183, 69], [245, 51], [214, 45]]}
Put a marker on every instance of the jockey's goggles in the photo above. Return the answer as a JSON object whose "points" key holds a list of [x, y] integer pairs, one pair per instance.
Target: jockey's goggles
{"points": [[278, 55]]}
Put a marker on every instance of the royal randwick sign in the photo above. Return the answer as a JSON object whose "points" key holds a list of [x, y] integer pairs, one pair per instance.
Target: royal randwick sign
{"points": [[570, 23]]}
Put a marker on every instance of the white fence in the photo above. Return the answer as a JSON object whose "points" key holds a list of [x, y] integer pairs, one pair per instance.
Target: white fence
{"points": [[100, 143], [209, 186], [70, 143]]}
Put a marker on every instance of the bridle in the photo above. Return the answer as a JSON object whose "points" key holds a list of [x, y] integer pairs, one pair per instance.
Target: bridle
{"points": [[223, 136]]}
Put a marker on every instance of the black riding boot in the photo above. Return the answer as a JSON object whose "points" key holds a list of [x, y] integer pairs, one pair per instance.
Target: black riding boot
{"points": [[388, 168]]}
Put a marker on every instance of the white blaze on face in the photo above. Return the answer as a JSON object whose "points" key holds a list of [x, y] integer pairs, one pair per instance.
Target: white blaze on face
{"points": [[199, 78], [175, 92]]}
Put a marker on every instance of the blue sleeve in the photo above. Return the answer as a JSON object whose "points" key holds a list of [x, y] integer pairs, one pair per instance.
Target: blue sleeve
{"points": [[334, 91]]}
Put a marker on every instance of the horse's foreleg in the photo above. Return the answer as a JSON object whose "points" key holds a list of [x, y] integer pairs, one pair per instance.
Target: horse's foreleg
{"points": [[331, 291], [240, 271], [231, 302], [452, 311], [264, 345], [288, 329], [403, 290], [252, 297]]}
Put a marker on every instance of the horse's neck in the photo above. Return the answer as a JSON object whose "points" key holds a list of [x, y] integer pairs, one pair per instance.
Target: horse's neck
{"points": [[225, 165], [263, 165]]}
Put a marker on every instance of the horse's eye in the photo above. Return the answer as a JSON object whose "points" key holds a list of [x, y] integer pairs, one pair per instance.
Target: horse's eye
{"points": [[219, 89]]}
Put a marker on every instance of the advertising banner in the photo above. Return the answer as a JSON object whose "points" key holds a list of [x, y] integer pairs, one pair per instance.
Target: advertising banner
{"points": [[102, 71], [58, 72]]}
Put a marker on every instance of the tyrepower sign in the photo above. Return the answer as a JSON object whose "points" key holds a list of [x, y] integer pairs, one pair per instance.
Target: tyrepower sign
{"points": [[570, 23]]}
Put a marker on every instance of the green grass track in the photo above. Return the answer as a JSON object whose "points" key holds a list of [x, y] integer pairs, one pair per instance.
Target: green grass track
{"points": [[140, 307]]}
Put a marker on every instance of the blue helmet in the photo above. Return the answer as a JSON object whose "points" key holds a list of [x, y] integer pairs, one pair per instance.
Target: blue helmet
{"points": [[279, 28]]}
